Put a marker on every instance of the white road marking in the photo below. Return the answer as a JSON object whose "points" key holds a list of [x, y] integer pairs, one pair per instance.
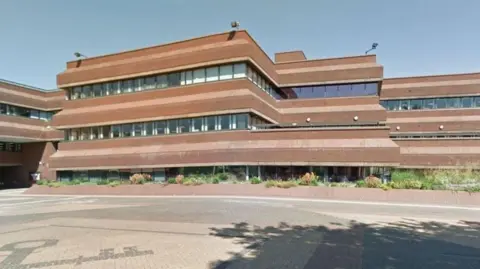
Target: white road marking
{"points": [[266, 203], [9, 198], [8, 192], [469, 208], [41, 201]]}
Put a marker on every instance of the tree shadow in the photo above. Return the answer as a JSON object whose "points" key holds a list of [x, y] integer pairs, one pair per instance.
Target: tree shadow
{"points": [[404, 244]]}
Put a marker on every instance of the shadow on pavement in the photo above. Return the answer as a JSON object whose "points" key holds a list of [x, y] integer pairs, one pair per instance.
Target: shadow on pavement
{"points": [[405, 244]]}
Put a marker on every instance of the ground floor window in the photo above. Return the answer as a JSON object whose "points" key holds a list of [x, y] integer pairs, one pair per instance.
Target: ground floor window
{"points": [[233, 172]]}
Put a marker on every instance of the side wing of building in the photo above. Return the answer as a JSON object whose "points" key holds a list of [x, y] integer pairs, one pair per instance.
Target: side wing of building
{"points": [[435, 120], [27, 138]]}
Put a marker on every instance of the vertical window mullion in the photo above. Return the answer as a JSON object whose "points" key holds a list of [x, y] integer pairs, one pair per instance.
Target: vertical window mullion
{"points": [[233, 122]]}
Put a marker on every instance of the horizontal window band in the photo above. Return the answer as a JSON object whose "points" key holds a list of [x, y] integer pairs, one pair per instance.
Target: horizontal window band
{"points": [[412, 104]]}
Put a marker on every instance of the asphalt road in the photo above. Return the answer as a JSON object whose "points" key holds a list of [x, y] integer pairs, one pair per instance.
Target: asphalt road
{"points": [[224, 233]]}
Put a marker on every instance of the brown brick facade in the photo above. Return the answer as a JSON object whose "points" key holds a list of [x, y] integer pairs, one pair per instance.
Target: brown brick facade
{"points": [[356, 121]]}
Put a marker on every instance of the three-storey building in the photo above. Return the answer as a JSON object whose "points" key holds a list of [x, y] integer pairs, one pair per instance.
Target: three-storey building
{"points": [[218, 103]]}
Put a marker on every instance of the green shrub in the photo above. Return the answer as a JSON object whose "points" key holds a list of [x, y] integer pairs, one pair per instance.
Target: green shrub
{"points": [[472, 189], [190, 181], [255, 180], [42, 182], [280, 184], [286, 184], [448, 177], [114, 183], [222, 176], [75, 182], [88, 183], [171, 181], [385, 187], [102, 182], [427, 185], [408, 184], [215, 180], [361, 184], [55, 184], [412, 184], [270, 183], [404, 174]]}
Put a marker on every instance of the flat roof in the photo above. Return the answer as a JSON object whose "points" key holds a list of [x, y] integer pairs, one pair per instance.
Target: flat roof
{"points": [[26, 86]]}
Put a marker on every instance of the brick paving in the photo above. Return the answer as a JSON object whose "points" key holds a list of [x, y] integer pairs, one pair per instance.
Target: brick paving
{"points": [[60, 233]]}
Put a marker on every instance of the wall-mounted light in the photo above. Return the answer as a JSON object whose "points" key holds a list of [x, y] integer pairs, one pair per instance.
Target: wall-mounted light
{"points": [[294, 124], [440, 127], [308, 119], [398, 128], [355, 118]]}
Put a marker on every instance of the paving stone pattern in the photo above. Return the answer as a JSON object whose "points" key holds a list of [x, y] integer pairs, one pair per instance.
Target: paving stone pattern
{"points": [[97, 233]]}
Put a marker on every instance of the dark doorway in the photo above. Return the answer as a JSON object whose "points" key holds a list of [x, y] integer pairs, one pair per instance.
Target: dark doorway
{"points": [[14, 177]]}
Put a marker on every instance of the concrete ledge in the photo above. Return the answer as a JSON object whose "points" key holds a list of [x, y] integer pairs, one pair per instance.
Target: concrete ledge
{"points": [[450, 198]]}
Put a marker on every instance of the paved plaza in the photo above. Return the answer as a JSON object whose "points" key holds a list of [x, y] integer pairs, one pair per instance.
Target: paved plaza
{"points": [[62, 232]]}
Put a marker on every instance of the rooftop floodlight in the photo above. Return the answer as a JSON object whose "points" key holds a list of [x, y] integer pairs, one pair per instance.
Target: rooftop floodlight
{"points": [[374, 46], [235, 24], [78, 55]]}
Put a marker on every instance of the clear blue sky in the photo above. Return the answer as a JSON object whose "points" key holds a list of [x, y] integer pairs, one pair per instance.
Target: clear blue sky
{"points": [[416, 37]]}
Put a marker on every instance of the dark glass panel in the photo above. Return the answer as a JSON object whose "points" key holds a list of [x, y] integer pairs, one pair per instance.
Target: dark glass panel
{"points": [[441, 102], [242, 121], [183, 125], [467, 102], [371, 89], [416, 104], [344, 90], [429, 103], [149, 128], [172, 126], [106, 131], [358, 89], [174, 79], [197, 124], [210, 123], [160, 127], [116, 131], [224, 122]]}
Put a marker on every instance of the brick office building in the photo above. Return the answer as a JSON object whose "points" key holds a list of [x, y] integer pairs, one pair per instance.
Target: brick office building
{"points": [[27, 139], [219, 103]]}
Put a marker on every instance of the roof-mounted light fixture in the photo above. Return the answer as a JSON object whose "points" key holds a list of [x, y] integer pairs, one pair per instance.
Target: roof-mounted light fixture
{"points": [[374, 46], [78, 55], [235, 25]]}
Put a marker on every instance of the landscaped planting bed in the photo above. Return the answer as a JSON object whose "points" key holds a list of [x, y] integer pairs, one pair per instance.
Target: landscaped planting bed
{"points": [[457, 180]]}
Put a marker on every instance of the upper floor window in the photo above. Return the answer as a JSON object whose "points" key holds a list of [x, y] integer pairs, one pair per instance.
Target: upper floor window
{"points": [[199, 75], [11, 110], [10, 147], [165, 127], [330, 91], [432, 103]]}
